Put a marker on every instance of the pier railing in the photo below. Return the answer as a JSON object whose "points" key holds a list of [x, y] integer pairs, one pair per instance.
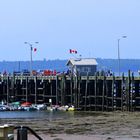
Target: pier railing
{"points": [[22, 133], [97, 93], [7, 132]]}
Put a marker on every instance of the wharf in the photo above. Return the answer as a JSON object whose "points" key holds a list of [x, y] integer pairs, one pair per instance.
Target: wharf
{"points": [[95, 93]]}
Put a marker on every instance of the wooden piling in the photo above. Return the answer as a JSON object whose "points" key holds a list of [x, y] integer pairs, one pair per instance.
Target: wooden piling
{"points": [[26, 89], [7, 90], [95, 90], [35, 80]]}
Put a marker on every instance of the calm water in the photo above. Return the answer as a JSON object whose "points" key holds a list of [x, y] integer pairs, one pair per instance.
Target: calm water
{"points": [[36, 114]]}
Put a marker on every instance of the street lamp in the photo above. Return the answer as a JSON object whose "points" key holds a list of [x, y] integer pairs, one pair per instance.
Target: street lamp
{"points": [[31, 49], [119, 53]]}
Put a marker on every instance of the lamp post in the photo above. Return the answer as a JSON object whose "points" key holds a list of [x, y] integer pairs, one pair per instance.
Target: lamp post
{"points": [[119, 53], [31, 49]]}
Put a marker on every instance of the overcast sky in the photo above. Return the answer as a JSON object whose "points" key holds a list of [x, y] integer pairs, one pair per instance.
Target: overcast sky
{"points": [[92, 27]]}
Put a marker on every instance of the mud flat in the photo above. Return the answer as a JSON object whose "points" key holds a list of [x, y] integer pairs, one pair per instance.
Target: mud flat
{"points": [[85, 125]]}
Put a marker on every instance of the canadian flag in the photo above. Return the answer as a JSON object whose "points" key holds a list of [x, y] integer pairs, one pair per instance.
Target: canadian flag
{"points": [[73, 51]]}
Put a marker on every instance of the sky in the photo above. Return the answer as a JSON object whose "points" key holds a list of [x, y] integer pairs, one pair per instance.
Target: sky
{"points": [[92, 27]]}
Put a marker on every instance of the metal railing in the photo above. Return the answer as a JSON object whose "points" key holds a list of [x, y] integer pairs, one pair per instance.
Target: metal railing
{"points": [[7, 132], [22, 133]]}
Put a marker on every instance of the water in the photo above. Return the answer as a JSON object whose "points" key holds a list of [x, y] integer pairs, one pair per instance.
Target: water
{"points": [[35, 114]]}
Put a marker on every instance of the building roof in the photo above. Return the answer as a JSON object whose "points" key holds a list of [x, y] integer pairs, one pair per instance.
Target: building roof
{"points": [[82, 61]]}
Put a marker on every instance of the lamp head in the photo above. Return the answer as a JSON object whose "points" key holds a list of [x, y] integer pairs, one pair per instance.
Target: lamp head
{"points": [[124, 36]]}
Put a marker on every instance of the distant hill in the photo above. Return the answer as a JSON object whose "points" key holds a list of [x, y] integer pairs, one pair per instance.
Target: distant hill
{"points": [[10, 66], [60, 65], [125, 64]]}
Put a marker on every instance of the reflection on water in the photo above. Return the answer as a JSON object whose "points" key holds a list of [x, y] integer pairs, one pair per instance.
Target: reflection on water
{"points": [[50, 115]]}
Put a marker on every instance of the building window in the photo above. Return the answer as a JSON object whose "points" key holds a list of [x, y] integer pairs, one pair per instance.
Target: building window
{"points": [[86, 69]]}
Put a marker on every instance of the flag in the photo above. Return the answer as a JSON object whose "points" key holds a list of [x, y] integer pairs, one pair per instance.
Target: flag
{"points": [[35, 49], [73, 51]]}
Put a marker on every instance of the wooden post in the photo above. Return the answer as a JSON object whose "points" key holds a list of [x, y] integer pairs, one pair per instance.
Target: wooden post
{"points": [[35, 80], [128, 91], [12, 86], [113, 90], [79, 90], [51, 90], [103, 95], [43, 82], [89, 94], [26, 89], [122, 92], [7, 90], [86, 90], [62, 90], [95, 86], [75, 91], [3, 86], [132, 92], [71, 89], [56, 90]]}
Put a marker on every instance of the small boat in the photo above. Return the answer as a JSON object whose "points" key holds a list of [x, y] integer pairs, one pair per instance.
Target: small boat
{"points": [[71, 108], [40, 106], [26, 104], [29, 108], [4, 108]]}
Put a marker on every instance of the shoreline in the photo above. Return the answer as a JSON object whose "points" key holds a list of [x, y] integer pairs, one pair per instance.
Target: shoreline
{"points": [[83, 137], [83, 125]]}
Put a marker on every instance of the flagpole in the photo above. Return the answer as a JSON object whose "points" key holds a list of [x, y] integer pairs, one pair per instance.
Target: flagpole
{"points": [[31, 57]]}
